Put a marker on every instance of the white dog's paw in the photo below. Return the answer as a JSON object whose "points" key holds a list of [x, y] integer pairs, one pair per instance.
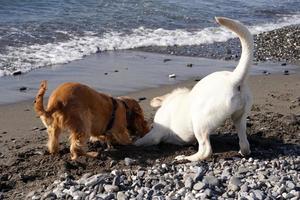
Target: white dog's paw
{"points": [[138, 142], [245, 152], [180, 157]]}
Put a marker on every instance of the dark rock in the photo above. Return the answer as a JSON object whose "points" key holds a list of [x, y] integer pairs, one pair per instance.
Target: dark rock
{"points": [[23, 88], [142, 98], [129, 161], [116, 71], [16, 73], [286, 72], [105, 73], [27, 178], [167, 60], [98, 50], [189, 65]]}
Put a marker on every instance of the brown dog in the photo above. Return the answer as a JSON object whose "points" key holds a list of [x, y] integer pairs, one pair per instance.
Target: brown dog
{"points": [[87, 113]]}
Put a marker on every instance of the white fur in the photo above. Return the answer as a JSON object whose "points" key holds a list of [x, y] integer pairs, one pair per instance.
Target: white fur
{"points": [[188, 116]]}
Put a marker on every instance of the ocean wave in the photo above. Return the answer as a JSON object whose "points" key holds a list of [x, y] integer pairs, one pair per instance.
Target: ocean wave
{"points": [[27, 58]]}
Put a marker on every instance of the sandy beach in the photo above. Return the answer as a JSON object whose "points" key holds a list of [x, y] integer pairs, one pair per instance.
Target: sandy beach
{"points": [[273, 126], [25, 164]]}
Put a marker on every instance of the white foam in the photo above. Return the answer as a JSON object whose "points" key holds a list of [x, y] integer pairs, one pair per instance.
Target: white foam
{"points": [[35, 56]]}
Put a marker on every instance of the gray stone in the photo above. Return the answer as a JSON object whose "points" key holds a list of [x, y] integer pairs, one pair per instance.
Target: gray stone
{"points": [[211, 181], [259, 194], [234, 183], [242, 170], [200, 171], [30, 194], [188, 183], [90, 182], [290, 185], [122, 196], [159, 186], [111, 188], [140, 173], [129, 161], [244, 187], [199, 186], [226, 173]]}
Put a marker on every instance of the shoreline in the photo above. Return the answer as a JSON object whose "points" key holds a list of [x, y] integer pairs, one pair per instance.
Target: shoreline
{"points": [[122, 72]]}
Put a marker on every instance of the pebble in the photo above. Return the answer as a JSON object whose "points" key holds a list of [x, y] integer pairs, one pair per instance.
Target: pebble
{"points": [[199, 186], [129, 161], [111, 188], [211, 181], [172, 75], [188, 183], [230, 179], [234, 183]]}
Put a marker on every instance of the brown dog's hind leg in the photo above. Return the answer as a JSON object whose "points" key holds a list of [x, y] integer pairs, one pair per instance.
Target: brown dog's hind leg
{"points": [[78, 142], [53, 139]]}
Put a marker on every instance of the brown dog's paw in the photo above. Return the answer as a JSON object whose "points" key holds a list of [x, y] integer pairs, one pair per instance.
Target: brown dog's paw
{"points": [[92, 154]]}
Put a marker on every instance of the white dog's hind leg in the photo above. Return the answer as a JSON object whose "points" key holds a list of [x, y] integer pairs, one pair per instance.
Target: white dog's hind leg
{"points": [[240, 124], [204, 149], [152, 138]]}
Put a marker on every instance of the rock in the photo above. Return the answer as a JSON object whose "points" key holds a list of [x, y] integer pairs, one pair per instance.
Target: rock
{"points": [[142, 98], [244, 187], [167, 60], [290, 185], [199, 186], [30, 194], [158, 186], [90, 182], [234, 183], [122, 196], [188, 183], [226, 174], [23, 88], [111, 188], [189, 65], [140, 173], [16, 73], [98, 50], [112, 163], [242, 170], [129, 161], [286, 72], [258, 194], [172, 75], [211, 181], [265, 72], [200, 171]]}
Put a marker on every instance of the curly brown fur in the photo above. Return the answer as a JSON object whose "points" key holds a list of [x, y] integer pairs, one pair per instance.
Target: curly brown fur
{"points": [[86, 113]]}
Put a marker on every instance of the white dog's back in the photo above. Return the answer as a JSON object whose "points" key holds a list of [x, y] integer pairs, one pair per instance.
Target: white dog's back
{"points": [[188, 115]]}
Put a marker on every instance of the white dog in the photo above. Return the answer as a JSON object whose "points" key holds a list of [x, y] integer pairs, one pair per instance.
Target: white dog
{"points": [[186, 115]]}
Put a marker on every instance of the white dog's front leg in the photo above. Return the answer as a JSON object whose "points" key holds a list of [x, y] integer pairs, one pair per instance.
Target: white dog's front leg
{"points": [[204, 149], [152, 138]]}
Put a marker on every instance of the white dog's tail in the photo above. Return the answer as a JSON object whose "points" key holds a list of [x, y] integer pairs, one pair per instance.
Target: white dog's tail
{"points": [[240, 72]]}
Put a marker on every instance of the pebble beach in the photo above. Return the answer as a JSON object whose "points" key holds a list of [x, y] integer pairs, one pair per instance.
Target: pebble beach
{"points": [[272, 171]]}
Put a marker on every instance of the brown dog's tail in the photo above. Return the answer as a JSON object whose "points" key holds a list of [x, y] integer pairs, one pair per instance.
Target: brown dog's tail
{"points": [[38, 103]]}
